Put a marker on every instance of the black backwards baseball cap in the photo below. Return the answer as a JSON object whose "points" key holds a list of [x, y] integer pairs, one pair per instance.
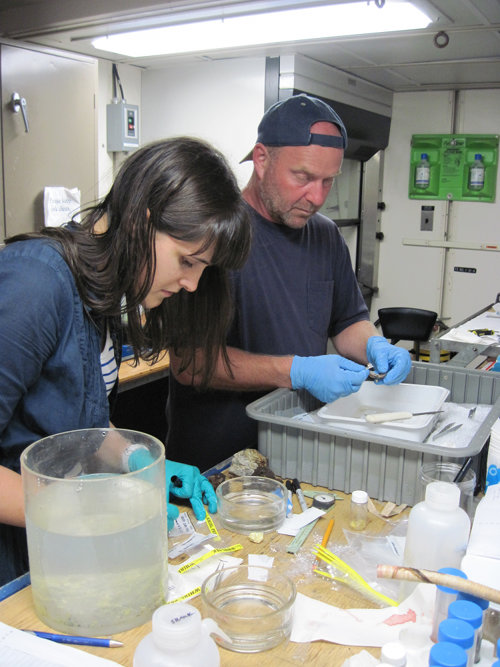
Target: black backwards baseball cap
{"points": [[288, 123]]}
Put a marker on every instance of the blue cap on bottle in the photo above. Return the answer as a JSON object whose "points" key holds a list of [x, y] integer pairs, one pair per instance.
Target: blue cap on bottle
{"points": [[446, 654], [455, 572], [484, 604], [467, 611], [457, 632], [477, 156]]}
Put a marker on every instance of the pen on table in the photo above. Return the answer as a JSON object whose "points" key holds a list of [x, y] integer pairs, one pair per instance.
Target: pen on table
{"points": [[300, 495], [289, 503], [326, 537], [463, 470], [82, 641], [328, 532]]}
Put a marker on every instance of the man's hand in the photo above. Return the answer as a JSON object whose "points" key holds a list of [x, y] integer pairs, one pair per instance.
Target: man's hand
{"points": [[327, 377], [387, 358]]}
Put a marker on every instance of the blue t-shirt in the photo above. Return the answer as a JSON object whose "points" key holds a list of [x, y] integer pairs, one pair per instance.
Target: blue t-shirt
{"points": [[295, 291]]}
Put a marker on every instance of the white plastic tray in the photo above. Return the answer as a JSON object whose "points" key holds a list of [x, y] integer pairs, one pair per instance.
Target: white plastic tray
{"points": [[350, 412]]}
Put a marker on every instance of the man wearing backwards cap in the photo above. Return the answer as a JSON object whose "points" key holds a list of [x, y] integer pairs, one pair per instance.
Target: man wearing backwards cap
{"points": [[296, 290]]}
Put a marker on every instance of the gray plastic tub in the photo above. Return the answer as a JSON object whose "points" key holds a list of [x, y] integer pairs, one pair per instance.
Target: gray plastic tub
{"points": [[387, 468]]}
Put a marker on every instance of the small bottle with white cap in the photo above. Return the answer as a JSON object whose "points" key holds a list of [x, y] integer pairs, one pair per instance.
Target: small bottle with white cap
{"points": [[359, 510], [393, 653]]}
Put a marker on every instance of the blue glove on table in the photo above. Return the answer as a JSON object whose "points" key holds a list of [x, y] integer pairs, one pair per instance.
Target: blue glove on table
{"points": [[189, 483], [185, 481], [327, 377], [387, 358]]}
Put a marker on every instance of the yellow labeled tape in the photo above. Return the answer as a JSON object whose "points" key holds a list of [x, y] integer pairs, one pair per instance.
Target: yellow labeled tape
{"points": [[186, 596], [213, 552], [211, 526]]}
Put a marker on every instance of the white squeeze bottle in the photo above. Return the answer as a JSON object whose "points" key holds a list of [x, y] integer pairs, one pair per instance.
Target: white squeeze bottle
{"points": [[179, 637], [438, 531]]}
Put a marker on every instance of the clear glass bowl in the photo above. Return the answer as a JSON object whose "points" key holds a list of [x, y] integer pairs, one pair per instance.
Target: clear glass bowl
{"points": [[253, 605], [251, 504]]}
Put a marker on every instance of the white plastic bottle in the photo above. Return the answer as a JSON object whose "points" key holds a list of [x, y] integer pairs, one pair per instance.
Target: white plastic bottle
{"points": [[423, 172], [179, 637], [393, 653], [438, 531], [476, 173]]}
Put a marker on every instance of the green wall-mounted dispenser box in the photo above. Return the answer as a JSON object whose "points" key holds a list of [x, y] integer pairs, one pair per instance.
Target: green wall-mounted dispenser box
{"points": [[450, 158]]}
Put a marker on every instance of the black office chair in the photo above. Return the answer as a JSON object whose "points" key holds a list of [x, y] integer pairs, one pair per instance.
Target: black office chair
{"points": [[412, 324]]}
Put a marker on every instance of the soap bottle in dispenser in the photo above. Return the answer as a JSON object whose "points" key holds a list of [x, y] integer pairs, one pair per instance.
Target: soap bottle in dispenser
{"points": [[179, 637], [423, 172], [438, 532], [476, 173]]}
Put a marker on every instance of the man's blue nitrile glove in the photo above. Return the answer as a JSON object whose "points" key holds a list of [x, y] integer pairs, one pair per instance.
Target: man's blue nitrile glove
{"points": [[327, 377], [185, 481], [387, 358], [141, 458]]}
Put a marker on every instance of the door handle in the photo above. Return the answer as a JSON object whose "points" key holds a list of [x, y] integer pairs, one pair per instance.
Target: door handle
{"points": [[19, 104]]}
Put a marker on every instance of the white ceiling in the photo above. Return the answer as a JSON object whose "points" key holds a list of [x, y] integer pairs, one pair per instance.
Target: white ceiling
{"points": [[397, 62]]}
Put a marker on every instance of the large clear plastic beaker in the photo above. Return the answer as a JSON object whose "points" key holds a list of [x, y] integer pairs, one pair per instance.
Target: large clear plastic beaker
{"points": [[97, 534]]}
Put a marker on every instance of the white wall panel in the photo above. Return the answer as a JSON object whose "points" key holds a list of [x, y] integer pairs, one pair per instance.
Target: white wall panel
{"points": [[422, 276], [219, 101], [409, 275]]}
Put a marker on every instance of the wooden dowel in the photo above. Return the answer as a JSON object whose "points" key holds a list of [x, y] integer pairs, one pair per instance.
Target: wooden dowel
{"points": [[440, 578]]}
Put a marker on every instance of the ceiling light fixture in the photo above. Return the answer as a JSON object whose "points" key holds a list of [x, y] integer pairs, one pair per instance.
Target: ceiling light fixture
{"points": [[274, 27]]}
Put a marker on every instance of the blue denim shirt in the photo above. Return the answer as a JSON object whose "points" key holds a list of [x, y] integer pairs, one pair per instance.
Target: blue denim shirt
{"points": [[50, 373]]}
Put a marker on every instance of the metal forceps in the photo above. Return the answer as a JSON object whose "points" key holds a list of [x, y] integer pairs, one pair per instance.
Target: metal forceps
{"points": [[449, 428], [219, 569]]}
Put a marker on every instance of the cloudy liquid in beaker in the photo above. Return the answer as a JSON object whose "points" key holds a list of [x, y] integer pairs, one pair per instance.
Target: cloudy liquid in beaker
{"points": [[98, 564]]}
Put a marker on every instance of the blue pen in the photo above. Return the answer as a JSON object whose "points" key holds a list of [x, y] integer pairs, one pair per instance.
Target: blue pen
{"points": [[289, 502], [82, 641]]}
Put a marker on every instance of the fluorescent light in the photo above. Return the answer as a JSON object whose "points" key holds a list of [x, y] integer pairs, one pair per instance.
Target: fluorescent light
{"points": [[267, 28]]}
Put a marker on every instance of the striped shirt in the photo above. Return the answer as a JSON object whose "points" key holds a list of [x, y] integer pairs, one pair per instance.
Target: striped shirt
{"points": [[109, 368]]}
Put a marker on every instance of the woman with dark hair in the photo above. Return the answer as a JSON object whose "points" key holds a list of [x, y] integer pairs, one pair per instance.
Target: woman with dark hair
{"points": [[154, 254]]}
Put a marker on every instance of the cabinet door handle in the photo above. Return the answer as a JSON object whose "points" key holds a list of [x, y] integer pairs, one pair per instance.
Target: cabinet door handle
{"points": [[19, 104]]}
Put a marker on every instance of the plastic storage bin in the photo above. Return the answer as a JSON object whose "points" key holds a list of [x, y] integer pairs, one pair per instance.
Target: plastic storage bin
{"points": [[387, 468]]}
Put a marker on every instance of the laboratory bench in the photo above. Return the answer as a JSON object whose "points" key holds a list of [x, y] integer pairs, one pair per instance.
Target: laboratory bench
{"points": [[465, 352], [142, 397], [18, 611], [131, 376]]}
